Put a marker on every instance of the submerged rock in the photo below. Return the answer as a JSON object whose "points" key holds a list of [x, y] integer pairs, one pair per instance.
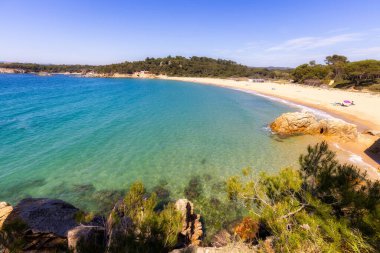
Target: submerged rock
{"points": [[191, 233], [307, 123]]}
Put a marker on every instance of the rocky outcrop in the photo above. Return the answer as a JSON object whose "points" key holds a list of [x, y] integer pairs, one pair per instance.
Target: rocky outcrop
{"points": [[295, 123], [87, 239], [307, 123], [338, 128], [119, 226], [221, 239], [231, 248], [47, 215], [11, 71], [37, 224], [5, 210], [192, 232], [48, 225]]}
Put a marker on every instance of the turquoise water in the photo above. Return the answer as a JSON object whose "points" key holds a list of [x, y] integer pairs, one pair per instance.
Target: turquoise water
{"points": [[66, 137]]}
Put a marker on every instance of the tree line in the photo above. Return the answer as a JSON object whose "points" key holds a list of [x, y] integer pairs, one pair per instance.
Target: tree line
{"points": [[356, 74], [344, 73], [171, 66]]}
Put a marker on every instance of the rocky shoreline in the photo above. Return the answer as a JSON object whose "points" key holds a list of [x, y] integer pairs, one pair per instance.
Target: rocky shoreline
{"points": [[334, 131], [51, 225]]}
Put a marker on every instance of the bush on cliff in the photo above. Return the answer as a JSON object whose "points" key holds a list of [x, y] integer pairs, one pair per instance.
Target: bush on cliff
{"points": [[148, 230], [324, 207]]}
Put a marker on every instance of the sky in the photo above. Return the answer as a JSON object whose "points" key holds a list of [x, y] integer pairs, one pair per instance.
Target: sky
{"points": [[252, 32]]}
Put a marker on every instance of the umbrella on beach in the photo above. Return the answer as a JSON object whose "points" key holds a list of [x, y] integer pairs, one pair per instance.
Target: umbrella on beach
{"points": [[347, 101]]}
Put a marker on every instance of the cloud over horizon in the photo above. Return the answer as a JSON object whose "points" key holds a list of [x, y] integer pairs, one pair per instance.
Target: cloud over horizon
{"points": [[315, 42]]}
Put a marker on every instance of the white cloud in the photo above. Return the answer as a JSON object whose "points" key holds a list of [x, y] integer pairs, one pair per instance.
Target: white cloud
{"points": [[293, 52], [315, 42], [368, 52]]}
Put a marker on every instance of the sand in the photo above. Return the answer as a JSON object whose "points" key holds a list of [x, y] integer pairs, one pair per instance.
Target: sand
{"points": [[365, 113]]}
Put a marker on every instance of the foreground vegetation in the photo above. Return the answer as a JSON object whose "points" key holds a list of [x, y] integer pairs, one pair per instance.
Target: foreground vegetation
{"points": [[323, 206]]}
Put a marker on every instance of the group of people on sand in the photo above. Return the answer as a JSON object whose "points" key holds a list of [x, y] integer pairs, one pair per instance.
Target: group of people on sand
{"points": [[345, 103]]}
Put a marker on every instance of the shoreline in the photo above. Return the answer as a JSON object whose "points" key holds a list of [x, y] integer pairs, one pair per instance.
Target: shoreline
{"points": [[354, 150], [266, 89], [316, 99]]}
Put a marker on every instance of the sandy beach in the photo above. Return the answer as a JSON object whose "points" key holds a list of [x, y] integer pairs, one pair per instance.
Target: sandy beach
{"points": [[365, 113]]}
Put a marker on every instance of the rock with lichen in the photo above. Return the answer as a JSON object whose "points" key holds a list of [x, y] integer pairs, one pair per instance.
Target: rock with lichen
{"points": [[192, 230], [307, 123], [39, 224], [86, 238]]}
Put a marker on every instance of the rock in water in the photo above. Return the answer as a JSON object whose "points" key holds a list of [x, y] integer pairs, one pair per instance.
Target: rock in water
{"points": [[87, 239], [295, 123], [307, 123], [192, 232], [38, 224]]}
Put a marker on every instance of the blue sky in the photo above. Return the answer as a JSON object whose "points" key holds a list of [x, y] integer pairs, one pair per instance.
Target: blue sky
{"points": [[256, 33]]}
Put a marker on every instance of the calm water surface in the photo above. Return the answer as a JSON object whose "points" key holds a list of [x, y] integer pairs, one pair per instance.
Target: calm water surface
{"points": [[65, 136]]}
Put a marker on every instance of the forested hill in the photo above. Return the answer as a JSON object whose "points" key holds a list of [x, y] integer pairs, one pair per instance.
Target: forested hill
{"points": [[172, 66]]}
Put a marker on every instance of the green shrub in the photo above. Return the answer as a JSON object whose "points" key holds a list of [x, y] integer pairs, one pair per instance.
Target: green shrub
{"points": [[151, 231], [298, 221]]}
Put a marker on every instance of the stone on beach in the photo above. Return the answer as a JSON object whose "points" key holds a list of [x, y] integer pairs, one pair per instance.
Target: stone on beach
{"points": [[307, 123]]}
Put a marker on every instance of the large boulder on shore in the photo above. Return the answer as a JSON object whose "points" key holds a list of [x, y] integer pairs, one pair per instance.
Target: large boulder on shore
{"points": [[307, 123], [295, 123], [39, 224]]}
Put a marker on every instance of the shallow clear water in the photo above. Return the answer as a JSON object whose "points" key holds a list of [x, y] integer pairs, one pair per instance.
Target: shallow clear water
{"points": [[61, 135]]}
